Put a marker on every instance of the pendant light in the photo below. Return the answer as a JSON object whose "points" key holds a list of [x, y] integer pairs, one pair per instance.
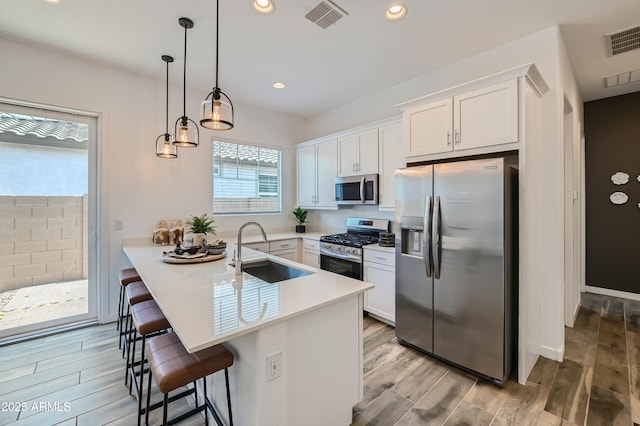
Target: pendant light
{"points": [[186, 135], [217, 109], [164, 142]]}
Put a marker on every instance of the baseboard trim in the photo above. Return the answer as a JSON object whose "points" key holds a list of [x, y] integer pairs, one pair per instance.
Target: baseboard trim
{"points": [[556, 354], [609, 292]]}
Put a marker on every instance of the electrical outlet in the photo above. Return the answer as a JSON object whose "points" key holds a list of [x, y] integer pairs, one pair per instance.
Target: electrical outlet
{"points": [[274, 366], [118, 225]]}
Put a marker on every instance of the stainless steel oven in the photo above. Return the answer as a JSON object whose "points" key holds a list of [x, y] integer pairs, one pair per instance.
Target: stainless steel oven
{"points": [[342, 260], [342, 253]]}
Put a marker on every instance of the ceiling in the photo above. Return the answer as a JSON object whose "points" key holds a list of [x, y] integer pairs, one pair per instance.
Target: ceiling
{"points": [[359, 55]]}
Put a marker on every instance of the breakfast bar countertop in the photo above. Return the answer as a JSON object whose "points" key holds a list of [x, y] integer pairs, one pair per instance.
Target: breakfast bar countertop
{"points": [[206, 303]]}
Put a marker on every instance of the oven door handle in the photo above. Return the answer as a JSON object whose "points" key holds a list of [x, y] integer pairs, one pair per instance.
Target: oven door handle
{"points": [[341, 256]]}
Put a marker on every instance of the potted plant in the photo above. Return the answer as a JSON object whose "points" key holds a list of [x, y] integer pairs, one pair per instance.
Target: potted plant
{"points": [[199, 227], [300, 217]]}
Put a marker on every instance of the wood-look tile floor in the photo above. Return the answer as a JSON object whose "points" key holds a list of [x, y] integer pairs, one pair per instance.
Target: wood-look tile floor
{"points": [[72, 378], [598, 383], [77, 378]]}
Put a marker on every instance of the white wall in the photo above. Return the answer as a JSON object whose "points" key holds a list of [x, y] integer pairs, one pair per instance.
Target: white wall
{"points": [[547, 51], [140, 188]]}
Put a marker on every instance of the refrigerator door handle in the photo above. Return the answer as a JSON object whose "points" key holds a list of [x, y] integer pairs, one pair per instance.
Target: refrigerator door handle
{"points": [[437, 237], [362, 181], [426, 240]]}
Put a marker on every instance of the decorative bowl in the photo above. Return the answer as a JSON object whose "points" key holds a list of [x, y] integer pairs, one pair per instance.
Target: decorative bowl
{"points": [[217, 249]]}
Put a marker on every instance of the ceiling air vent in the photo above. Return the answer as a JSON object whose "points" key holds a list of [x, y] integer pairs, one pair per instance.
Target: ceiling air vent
{"points": [[325, 13], [623, 41]]}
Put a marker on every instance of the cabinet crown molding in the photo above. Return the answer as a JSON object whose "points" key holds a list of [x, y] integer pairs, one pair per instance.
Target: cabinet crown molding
{"points": [[352, 130], [529, 71]]}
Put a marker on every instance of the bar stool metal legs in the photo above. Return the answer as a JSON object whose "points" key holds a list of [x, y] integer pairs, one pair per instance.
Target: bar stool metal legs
{"points": [[173, 367], [148, 320]]}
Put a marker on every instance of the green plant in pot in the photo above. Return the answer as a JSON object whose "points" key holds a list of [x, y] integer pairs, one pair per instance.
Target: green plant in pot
{"points": [[199, 227], [300, 217]]}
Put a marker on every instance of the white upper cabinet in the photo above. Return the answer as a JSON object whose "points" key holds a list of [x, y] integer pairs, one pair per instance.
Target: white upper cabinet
{"points": [[487, 116], [327, 154], [481, 118], [391, 158], [317, 167], [429, 128], [306, 162], [358, 153]]}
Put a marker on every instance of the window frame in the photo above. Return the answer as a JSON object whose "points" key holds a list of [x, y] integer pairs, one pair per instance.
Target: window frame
{"points": [[217, 170]]}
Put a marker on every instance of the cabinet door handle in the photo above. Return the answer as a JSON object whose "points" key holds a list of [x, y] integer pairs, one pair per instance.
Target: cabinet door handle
{"points": [[380, 258], [448, 138], [457, 138]]}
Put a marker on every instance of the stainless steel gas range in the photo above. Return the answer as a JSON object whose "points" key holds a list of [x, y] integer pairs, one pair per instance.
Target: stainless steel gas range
{"points": [[342, 253]]}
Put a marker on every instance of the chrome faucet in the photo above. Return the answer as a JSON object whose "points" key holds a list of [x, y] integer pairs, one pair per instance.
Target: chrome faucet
{"points": [[238, 260]]}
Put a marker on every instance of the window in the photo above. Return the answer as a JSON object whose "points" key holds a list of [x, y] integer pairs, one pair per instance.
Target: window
{"points": [[42, 156], [246, 179]]}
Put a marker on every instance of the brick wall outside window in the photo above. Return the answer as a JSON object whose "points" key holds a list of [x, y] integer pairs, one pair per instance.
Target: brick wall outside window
{"points": [[42, 240]]}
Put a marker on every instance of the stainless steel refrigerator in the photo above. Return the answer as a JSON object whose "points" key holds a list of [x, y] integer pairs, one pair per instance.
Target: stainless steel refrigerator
{"points": [[456, 262]]}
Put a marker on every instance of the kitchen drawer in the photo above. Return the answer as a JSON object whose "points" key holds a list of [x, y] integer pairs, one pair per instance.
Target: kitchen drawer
{"points": [[283, 245], [291, 254], [260, 246], [382, 257], [310, 244]]}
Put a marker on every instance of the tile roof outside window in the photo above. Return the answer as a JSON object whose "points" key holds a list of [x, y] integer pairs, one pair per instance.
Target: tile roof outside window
{"points": [[24, 125]]}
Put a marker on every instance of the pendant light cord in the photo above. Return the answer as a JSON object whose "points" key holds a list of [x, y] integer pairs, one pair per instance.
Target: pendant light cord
{"points": [[217, 37], [166, 120], [184, 76]]}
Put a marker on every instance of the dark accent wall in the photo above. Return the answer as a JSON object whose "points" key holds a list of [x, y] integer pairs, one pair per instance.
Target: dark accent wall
{"points": [[612, 144]]}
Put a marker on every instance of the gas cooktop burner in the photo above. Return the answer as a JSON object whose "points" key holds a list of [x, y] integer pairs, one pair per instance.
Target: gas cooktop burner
{"points": [[350, 239]]}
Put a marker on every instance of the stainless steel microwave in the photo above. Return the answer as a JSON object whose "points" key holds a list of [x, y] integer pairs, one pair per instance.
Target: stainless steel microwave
{"points": [[354, 190]]}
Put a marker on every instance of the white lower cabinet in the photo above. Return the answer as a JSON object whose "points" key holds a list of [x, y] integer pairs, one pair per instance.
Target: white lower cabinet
{"points": [[380, 270], [287, 249], [311, 252]]}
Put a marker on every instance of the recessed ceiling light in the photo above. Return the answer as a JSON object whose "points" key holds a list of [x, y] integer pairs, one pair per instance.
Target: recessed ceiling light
{"points": [[395, 12], [278, 85], [263, 6], [52, 1]]}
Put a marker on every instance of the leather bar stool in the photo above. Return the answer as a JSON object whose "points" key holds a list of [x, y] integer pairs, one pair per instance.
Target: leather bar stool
{"points": [[136, 292], [126, 276], [148, 320], [173, 367]]}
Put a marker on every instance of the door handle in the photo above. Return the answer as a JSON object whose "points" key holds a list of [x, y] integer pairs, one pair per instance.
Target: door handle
{"points": [[448, 138], [362, 190], [457, 138], [426, 241], [437, 237]]}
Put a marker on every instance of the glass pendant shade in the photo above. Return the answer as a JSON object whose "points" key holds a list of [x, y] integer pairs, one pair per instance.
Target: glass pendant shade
{"points": [[217, 111], [186, 133], [164, 146]]}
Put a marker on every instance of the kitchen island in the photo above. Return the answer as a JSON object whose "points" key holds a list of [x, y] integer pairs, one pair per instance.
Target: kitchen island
{"points": [[311, 326]]}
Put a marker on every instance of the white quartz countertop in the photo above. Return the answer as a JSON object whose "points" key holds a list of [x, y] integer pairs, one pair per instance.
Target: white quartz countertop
{"points": [[207, 304]]}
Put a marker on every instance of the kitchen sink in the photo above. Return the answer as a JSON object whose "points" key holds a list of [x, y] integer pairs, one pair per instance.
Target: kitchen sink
{"points": [[272, 272]]}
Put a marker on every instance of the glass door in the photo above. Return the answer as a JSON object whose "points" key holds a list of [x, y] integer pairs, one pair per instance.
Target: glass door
{"points": [[48, 185]]}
